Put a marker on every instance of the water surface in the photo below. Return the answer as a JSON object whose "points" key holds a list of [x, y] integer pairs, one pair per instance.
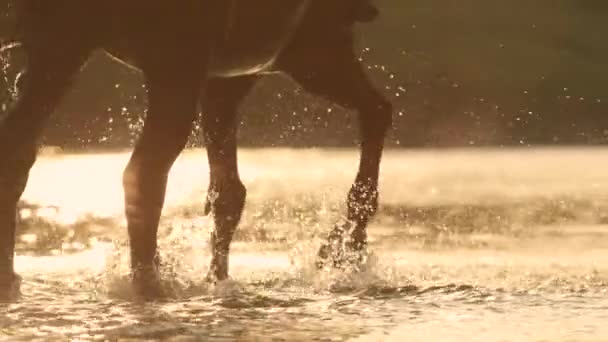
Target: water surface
{"points": [[468, 245]]}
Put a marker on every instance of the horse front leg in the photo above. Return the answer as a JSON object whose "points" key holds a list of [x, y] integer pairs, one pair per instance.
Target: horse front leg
{"points": [[362, 200], [47, 79], [226, 195], [172, 98], [341, 79]]}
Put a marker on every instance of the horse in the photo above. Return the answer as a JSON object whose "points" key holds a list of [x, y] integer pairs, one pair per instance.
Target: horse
{"points": [[191, 53]]}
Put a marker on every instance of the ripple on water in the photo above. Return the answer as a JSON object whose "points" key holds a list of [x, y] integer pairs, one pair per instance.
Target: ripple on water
{"points": [[294, 301], [469, 252]]}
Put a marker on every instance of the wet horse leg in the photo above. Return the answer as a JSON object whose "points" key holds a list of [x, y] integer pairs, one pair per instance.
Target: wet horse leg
{"points": [[47, 79], [226, 195], [341, 79], [172, 99]]}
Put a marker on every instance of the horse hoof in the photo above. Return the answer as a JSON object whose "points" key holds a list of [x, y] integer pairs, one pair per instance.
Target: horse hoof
{"points": [[218, 268], [147, 285], [10, 288], [339, 256], [213, 277]]}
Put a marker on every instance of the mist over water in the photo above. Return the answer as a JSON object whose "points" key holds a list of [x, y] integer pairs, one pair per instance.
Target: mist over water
{"points": [[468, 245]]}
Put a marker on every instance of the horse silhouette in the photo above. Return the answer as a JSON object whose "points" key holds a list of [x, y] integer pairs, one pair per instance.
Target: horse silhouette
{"points": [[210, 52]]}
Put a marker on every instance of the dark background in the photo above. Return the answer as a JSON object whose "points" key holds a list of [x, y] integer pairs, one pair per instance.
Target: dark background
{"points": [[460, 73]]}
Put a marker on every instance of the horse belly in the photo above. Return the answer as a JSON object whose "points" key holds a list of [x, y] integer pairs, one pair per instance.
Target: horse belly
{"points": [[248, 42], [256, 33]]}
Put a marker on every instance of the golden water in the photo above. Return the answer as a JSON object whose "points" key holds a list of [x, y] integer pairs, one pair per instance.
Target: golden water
{"points": [[469, 245]]}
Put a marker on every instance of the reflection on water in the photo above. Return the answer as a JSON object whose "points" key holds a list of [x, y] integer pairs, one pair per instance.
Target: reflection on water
{"points": [[469, 245]]}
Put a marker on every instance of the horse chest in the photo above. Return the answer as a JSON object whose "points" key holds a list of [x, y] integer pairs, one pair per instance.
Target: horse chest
{"points": [[249, 41]]}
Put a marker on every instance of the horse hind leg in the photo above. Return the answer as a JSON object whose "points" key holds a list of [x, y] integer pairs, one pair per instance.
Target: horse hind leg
{"points": [[172, 99], [341, 79], [226, 195], [47, 79]]}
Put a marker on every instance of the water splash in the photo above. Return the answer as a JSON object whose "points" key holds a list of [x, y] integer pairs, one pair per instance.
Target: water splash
{"points": [[439, 259]]}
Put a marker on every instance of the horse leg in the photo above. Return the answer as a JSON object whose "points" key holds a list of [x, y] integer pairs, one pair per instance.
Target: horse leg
{"points": [[342, 80], [226, 195], [47, 79], [172, 99]]}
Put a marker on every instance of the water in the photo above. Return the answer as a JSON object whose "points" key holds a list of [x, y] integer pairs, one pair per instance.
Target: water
{"points": [[469, 245]]}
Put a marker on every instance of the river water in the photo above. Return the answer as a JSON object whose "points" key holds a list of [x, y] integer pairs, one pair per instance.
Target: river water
{"points": [[468, 245]]}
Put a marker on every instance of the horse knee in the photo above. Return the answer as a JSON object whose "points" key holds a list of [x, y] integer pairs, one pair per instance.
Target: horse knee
{"points": [[226, 200], [130, 181], [143, 189]]}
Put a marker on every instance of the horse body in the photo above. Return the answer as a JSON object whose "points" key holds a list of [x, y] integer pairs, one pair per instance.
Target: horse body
{"points": [[210, 52], [255, 34]]}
